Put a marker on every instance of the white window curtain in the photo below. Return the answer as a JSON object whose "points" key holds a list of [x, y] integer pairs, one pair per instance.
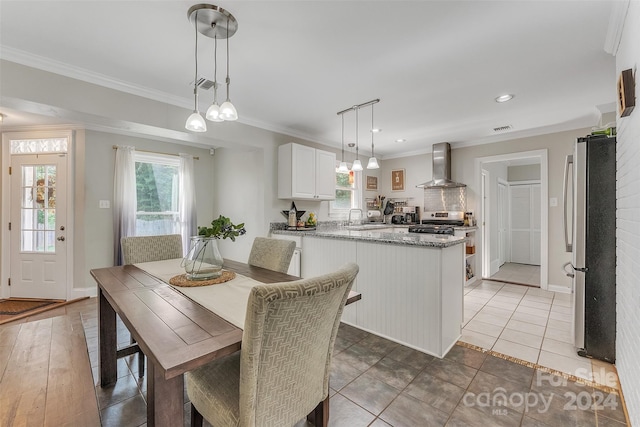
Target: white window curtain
{"points": [[124, 198], [187, 200]]}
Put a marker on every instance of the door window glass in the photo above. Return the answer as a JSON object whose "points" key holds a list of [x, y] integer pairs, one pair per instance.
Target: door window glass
{"points": [[43, 145], [38, 209]]}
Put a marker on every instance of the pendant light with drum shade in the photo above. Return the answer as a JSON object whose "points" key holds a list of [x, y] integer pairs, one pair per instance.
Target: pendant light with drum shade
{"points": [[373, 162], [195, 122], [343, 165], [217, 23]]}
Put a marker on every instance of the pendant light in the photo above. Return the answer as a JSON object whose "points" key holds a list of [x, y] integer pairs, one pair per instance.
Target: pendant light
{"points": [[195, 122], [227, 110], [213, 113], [373, 162], [343, 165], [357, 166], [216, 23]]}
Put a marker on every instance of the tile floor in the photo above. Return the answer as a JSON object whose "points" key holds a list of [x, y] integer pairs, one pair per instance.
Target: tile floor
{"points": [[530, 324], [376, 382], [518, 273]]}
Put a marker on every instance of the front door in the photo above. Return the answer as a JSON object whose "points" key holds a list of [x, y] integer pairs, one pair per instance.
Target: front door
{"points": [[38, 226]]}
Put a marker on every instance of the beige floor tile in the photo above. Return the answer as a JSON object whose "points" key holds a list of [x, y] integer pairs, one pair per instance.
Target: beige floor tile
{"points": [[520, 351], [530, 318], [476, 338], [559, 324], [477, 299], [484, 328], [501, 312], [471, 305], [569, 365], [559, 335], [563, 303], [535, 304], [516, 289], [520, 337], [529, 328], [536, 298], [560, 316], [560, 309], [491, 286], [503, 305], [560, 347], [540, 292], [532, 310], [491, 319]]}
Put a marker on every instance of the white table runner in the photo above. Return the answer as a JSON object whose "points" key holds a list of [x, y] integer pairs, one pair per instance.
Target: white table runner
{"points": [[228, 300]]}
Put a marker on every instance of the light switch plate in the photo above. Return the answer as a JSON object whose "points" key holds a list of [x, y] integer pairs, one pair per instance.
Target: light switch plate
{"points": [[553, 202], [104, 204]]}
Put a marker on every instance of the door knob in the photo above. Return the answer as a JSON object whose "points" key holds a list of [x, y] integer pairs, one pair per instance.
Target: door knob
{"points": [[61, 239]]}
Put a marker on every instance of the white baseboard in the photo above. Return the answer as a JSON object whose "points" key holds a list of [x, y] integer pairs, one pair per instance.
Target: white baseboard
{"points": [[91, 291], [558, 288]]}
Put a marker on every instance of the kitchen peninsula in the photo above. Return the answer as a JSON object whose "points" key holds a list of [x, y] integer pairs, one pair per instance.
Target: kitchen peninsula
{"points": [[411, 284]]}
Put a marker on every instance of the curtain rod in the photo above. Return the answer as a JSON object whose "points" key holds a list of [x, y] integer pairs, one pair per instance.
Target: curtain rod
{"points": [[115, 147]]}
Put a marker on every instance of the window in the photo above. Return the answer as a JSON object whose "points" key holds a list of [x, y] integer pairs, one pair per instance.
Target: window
{"points": [[157, 178], [348, 193]]}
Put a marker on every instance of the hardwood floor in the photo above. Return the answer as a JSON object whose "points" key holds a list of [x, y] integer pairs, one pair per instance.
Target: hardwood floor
{"points": [[45, 373]]}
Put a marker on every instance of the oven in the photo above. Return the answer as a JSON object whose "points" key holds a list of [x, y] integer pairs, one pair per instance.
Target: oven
{"points": [[441, 222]]}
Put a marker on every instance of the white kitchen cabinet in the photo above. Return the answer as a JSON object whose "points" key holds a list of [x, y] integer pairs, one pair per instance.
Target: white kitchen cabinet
{"points": [[306, 173]]}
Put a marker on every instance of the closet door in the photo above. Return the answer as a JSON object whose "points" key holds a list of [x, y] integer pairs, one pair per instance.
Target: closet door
{"points": [[525, 223]]}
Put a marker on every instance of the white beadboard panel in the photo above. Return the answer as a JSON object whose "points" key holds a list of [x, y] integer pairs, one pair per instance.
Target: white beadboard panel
{"points": [[322, 256], [452, 295]]}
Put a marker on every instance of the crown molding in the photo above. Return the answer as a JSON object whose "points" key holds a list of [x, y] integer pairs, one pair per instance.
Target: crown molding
{"points": [[616, 25], [57, 67]]}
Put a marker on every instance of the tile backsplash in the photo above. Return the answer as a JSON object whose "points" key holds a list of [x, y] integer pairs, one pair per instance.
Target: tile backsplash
{"points": [[445, 199]]}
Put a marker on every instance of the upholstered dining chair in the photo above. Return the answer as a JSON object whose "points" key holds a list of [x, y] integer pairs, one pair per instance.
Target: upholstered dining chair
{"points": [[281, 374], [272, 254], [137, 249]]}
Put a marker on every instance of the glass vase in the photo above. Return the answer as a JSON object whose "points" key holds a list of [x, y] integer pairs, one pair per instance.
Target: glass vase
{"points": [[203, 261]]}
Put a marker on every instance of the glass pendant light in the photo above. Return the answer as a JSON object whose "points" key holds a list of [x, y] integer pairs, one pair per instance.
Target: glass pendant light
{"points": [[373, 162], [343, 165], [227, 110], [195, 122], [213, 113]]}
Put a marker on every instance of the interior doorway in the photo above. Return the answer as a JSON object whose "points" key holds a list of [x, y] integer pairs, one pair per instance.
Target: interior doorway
{"points": [[498, 234]]}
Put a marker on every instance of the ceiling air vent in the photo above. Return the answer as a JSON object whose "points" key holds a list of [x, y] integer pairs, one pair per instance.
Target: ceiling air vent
{"points": [[503, 128], [203, 83]]}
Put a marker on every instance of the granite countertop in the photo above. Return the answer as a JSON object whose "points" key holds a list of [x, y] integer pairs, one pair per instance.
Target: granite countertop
{"points": [[375, 234]]}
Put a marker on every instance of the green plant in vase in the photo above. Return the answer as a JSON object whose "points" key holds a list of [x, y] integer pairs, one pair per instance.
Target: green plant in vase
{"points": [[203, 261]]}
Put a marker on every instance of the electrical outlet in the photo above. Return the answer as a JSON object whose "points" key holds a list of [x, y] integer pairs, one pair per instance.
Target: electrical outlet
{"points": [[553, 202], [104, 204]]}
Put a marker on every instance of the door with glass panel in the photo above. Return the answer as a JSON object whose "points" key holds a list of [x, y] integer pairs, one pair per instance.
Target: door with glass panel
{"points": [[38, 226]]}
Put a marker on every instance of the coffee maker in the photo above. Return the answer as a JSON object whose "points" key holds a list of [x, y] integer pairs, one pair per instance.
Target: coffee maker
{"points": [[411, 214]]}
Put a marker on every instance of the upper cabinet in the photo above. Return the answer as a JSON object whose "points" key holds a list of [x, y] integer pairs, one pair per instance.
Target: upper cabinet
{"points": [[306, 173]]}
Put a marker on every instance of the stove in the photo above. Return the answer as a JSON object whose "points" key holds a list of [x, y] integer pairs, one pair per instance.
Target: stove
{"points": [[432, 229], [441, 222]]}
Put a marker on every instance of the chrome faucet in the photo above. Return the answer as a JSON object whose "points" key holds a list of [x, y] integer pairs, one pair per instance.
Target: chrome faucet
{"points": [[350, 211]]}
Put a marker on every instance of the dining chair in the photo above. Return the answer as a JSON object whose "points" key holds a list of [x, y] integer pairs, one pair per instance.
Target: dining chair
{"points": [[137, 249], [272, 254], [281, 374]]}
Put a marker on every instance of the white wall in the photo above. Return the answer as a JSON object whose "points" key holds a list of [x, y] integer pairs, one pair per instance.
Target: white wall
{"points": [[523, 173], [628, 225]]}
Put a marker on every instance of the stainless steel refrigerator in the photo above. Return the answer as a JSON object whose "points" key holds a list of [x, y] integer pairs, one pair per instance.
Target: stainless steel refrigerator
{"points": [[590, 235]]}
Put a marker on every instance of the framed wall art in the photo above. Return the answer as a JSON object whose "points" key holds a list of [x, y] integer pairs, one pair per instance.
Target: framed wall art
{"points": [[397, 180], [372, 182]]}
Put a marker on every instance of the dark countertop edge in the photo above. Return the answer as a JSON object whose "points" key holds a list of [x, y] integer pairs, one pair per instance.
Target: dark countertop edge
{"points": [[392, 240]]}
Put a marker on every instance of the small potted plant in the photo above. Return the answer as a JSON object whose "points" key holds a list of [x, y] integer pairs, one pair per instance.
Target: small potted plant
{"points": [[203, 261]]}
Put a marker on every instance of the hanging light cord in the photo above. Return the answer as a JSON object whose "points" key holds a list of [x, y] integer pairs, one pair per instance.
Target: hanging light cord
{"points": [[357, 158], [342, 116], [372, 153], [215, 67], [195, 79], [228, 79]]}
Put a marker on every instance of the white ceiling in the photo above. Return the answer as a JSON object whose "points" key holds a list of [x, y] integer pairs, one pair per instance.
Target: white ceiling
{"points": [[436, 65]]}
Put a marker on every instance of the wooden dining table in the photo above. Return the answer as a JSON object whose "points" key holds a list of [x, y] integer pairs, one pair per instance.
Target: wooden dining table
{"points": [[175, 333]]}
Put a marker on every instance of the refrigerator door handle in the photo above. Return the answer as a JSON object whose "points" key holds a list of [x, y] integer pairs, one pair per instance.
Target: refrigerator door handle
{"points": [[567, 243]]}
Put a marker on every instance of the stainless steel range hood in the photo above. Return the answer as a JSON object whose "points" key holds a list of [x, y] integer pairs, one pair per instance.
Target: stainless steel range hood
{"points": [[441, 159]]}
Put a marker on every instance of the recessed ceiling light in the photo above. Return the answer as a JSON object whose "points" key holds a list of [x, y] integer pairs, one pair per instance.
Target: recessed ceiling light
{"points": [[504, 98], [401, 140], [376, 130]]}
